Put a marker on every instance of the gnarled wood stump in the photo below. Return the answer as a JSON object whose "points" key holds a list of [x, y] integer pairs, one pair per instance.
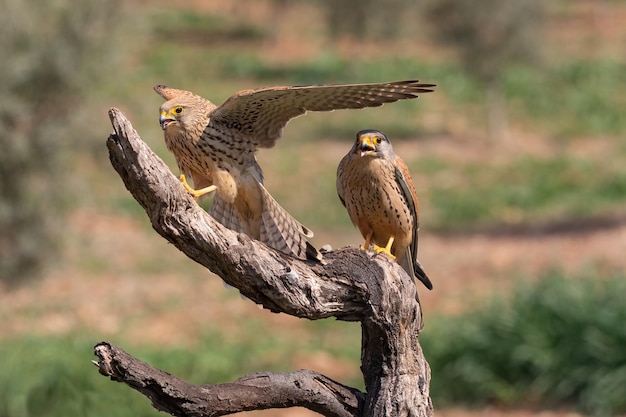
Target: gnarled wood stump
{"points": [[351, 285]]}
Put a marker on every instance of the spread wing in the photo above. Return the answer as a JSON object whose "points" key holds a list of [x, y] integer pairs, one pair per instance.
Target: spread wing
{"points": [[260, 115]]}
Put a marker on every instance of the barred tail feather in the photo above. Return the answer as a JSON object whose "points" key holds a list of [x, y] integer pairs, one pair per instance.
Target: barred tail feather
{"points": [[226, 214], [282, 232]]}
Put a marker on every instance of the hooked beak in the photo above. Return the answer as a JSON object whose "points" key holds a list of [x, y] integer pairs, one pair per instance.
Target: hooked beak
{"points": [[366, 146], [165, 120]]}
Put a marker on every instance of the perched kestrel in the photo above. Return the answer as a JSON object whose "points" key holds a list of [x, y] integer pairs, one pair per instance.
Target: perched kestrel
{"points": [[376, 188], [216, 145]]}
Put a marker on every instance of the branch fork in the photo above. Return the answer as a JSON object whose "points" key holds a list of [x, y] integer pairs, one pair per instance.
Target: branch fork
{"points": [[351, 285]]}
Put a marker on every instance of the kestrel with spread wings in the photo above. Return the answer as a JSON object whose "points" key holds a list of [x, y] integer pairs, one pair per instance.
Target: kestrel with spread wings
{"points": [[216, 146], [375, 186]]}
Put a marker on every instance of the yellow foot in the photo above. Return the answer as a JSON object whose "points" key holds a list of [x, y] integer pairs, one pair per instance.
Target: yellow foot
{"points": [[366, 245], [387, 249], [196, 193]]}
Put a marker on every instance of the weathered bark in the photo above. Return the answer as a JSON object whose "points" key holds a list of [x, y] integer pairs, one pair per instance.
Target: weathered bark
{"points": [[253, 392], [351, 285]]}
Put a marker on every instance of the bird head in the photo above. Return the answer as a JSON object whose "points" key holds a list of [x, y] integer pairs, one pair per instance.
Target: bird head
{"points": [[371, 142], [182, 109], [171, 113]]}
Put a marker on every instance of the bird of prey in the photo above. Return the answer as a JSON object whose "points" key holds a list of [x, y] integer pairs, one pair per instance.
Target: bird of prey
{"points": [[376, 188], [216, 146]]}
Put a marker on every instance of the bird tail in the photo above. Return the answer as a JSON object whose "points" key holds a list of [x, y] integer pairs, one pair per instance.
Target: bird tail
{"points": [[415, 270], [282, 232], [226, 214], [421, 275], [279, 230]]}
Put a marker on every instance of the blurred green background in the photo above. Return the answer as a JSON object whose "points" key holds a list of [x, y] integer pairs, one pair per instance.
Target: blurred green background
{"points": [[518, 159]]}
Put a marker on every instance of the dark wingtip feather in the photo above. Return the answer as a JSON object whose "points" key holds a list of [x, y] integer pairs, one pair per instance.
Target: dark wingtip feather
{"points": [[421, 275], [312, 253], [420, 87]]}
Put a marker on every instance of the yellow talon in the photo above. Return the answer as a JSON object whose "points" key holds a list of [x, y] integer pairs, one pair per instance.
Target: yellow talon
{"points": [[366, 245], [196, 193], [387, 249]]}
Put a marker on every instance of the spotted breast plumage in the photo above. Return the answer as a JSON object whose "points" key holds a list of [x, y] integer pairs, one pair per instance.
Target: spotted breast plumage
{"points": [[215, 146], [375, 186]]}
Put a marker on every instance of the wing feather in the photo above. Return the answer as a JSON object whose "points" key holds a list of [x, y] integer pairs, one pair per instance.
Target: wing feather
{"points": [[403, 178], [260, 115]]}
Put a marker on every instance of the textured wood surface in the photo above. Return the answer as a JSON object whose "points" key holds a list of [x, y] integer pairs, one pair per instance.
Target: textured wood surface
{"points": [[351, 285]]}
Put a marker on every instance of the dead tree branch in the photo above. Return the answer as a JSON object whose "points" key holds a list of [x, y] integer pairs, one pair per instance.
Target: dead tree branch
{"points": [[352, 285], [259, 391]]}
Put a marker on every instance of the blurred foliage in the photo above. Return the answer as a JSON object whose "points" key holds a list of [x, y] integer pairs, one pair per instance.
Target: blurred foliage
{"points": [[572, 98], [335, 68], [46, 60], [490, 37], [188, 26], [366, 19], [42, 376], [52, 376], [557, 342], [525, 191]]}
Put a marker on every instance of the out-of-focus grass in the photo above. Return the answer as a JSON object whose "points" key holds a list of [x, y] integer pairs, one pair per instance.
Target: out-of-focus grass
{"points": [[559, 342], [574, 98], [53, 376], [332, 68], [189, 25], [526, 190]]}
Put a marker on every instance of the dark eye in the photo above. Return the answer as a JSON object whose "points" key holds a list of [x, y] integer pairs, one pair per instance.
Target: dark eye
{"points": [[178, 110], [378, 140]]}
